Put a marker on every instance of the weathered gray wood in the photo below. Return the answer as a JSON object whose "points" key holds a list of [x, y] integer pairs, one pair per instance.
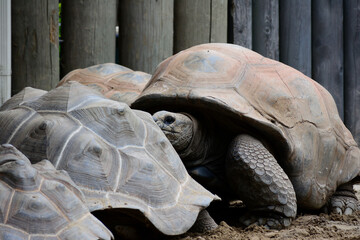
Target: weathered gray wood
{"points": [[199, 21], [219, 12], [35, 44], [295, 34], [88, 30], [266, 28], [352, 67], [327, 48], [145, 33], [5, 50], [240, 21]]}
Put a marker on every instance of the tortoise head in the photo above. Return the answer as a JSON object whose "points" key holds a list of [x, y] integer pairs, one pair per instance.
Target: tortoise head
{"points": [[178, 128], [16, 169]]}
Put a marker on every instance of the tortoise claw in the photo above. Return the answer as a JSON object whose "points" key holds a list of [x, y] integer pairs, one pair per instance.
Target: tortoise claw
{"points": [[344, 201], [343, 205]]}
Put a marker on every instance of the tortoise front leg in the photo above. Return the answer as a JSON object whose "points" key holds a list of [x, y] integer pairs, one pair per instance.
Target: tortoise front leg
{"points": [[261, 183]]}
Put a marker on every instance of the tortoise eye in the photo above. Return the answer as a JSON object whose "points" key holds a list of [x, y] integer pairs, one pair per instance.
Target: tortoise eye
{"points": [[169, 120]]}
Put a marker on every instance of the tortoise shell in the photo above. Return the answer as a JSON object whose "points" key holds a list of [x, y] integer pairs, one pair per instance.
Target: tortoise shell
{"points": [[37, 202], [118, 157], [112, 80], [243, 90]]}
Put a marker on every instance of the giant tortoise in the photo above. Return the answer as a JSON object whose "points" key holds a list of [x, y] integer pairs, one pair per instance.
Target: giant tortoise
{"points": [[114, 81], [39, 202], [119, 158], [247, 125]]}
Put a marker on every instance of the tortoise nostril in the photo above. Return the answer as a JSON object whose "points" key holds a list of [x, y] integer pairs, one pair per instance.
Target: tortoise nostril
{"points": [[169, 120]]}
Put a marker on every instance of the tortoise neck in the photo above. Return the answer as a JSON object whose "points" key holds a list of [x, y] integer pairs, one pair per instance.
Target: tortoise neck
{"points": [[207, 144]]}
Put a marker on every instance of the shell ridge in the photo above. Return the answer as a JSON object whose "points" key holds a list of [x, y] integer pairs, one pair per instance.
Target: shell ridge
{"points": [[20, 125], [56, 207], [74, 223], [160, 166], [181, 189], [286, 85], [117, 180], [89, 129], [9, 206], [57, 161], [111, 76], [16, 229]]}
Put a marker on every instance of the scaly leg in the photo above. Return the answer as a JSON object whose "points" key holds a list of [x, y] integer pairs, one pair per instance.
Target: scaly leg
{"points": [[260, 183]]}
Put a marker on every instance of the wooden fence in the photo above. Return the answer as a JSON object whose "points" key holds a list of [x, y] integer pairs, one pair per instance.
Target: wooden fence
{"points": [[321, 38]]}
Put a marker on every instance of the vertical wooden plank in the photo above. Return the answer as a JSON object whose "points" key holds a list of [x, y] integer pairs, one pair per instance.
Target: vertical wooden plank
{"points": [[5, 50], [327, 48], [295, 34], [145, 33], [88, 30], [240, 23], [191, 23], [199, 21], [219, 12], [266, 28], [35, 44], [352, 66]]}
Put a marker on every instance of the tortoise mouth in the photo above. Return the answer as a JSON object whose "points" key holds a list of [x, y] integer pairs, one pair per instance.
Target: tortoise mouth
{"points": [[169, 131], [6, 161], [166, 128]]}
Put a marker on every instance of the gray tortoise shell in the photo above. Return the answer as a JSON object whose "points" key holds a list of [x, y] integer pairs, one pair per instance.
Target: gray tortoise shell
{"points": [[118, 157], [37, 202], [296, 115]]}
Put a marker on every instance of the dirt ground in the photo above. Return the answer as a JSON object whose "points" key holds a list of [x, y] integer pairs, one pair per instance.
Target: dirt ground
{"points": [[307, 226], [317, 227]]}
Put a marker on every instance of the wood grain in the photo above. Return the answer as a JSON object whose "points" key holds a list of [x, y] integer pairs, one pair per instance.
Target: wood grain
{"points": [[145, 33], [5, 50], [35, 44], [327, 48], [295, 34], [199, 21], [241, 23], [352, 67], [266, 28], [88, 30]]}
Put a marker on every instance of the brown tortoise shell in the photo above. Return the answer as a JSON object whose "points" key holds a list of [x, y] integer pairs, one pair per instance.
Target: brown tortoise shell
{"points": [[114, 81], [244, 90]]}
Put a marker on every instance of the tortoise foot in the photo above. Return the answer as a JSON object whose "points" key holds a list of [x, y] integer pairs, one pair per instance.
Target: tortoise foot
{"points": [[204, 222], [343, 201], [268, 221]]}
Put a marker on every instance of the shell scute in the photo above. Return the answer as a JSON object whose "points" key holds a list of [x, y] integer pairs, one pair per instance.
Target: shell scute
{"points": [[5, 197], [34, 214], [85, 166]]}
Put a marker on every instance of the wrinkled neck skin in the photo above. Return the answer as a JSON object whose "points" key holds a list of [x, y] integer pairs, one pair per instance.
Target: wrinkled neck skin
{"points": [[208, 146]]}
